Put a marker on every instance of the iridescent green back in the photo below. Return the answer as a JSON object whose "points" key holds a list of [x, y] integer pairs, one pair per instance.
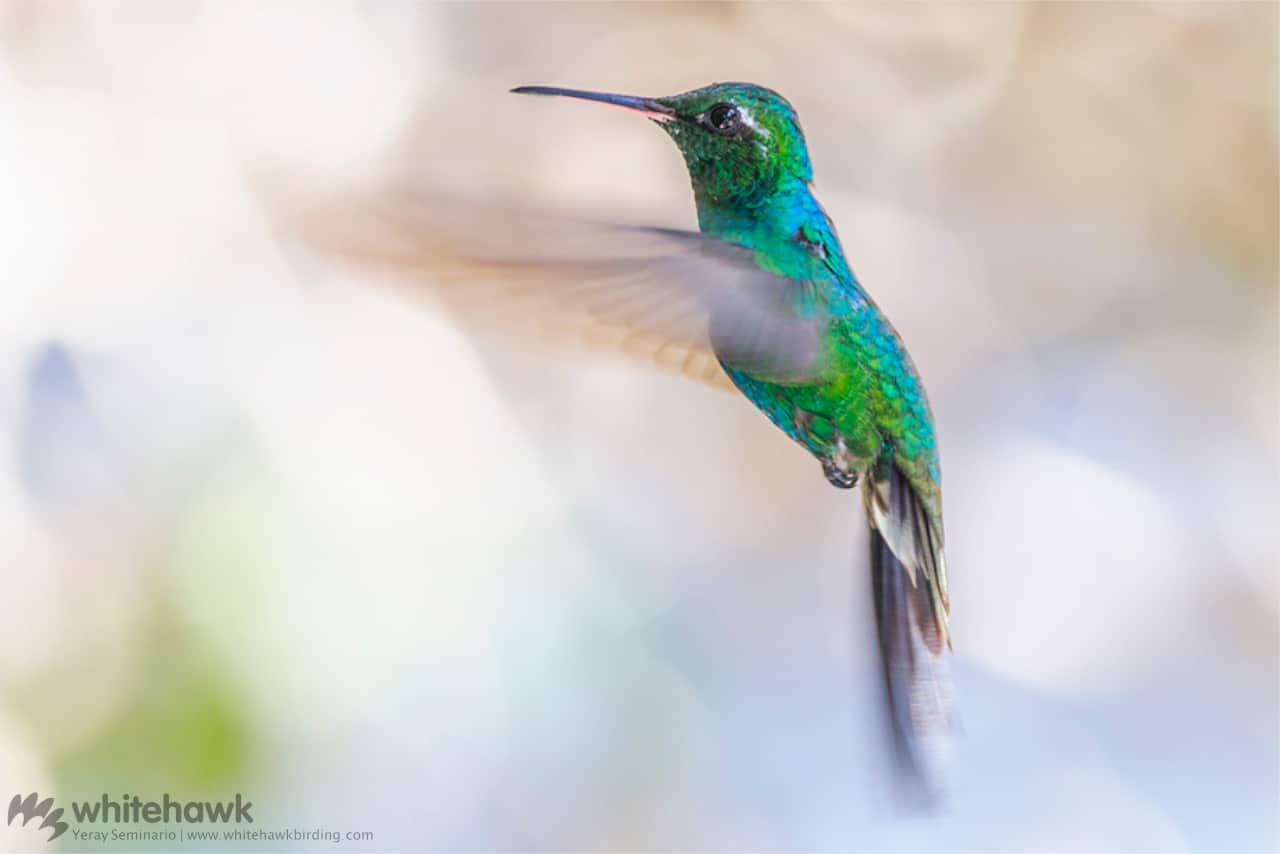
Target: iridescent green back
{"points": [[752, 188]]}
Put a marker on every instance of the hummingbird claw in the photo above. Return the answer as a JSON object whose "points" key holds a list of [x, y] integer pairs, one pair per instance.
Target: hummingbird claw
{"points": [[837, 476]]}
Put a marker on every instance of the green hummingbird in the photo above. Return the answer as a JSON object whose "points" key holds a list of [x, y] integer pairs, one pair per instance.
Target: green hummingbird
{"points": [[761, 299]]}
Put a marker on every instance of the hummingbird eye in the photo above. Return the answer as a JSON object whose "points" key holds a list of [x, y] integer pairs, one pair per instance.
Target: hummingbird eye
{"points": [[723, 117]]}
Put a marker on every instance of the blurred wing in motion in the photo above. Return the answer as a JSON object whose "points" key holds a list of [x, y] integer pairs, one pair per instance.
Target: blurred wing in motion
{"points": [[908, 575], [657, 294]]}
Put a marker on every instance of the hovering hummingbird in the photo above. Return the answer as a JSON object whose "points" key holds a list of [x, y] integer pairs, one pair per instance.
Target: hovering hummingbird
{"points": [[762, 300]]}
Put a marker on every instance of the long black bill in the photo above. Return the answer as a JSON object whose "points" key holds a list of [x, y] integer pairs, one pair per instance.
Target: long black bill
{"points": [[646, 106]]}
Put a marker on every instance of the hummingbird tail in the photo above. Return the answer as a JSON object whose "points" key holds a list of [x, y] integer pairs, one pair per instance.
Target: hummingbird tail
{"points": [[916, 674]]}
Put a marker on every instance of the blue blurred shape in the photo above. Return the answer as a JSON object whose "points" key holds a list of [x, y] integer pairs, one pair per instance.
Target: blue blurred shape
{"points": [[65, 458]]}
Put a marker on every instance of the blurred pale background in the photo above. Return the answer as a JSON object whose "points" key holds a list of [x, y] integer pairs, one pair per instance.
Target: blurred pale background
{"points": [[263, 529]]}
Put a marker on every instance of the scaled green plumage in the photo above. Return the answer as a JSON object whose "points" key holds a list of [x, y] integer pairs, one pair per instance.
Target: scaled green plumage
{"points": [[752, 188]]}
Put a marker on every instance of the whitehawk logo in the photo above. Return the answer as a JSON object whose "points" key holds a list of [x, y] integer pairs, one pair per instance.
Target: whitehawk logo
{"points": [[32, 807]]}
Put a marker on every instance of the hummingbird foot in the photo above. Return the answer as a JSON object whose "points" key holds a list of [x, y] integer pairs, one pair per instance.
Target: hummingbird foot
{"points": [[837, 475]]}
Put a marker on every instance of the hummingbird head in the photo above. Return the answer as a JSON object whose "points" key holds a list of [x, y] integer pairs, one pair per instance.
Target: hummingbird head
{"points": [[741, 142]]}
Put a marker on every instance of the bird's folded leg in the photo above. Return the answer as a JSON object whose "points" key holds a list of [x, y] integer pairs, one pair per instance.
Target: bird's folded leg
{"points": [[839, 475]]}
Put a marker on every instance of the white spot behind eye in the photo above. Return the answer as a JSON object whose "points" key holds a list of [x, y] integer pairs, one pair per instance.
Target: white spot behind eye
{"points": [[744, 115]]}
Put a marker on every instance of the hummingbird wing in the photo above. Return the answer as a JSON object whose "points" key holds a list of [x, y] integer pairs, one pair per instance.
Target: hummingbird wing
{"points": [[910, 593], [662, 295]]}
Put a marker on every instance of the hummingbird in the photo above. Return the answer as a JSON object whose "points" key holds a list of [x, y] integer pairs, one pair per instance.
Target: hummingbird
{"points": [[760, 299]]}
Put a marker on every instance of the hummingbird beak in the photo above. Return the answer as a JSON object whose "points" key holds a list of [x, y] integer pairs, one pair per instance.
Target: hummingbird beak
{"points": [[645, 106]]}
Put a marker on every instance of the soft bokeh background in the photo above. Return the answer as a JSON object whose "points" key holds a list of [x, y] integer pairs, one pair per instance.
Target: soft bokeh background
{"points": [[264, 529]]}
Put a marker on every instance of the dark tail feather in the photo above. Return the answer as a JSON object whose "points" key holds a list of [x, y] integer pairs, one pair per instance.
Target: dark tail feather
{"points": [[916, 675]]}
